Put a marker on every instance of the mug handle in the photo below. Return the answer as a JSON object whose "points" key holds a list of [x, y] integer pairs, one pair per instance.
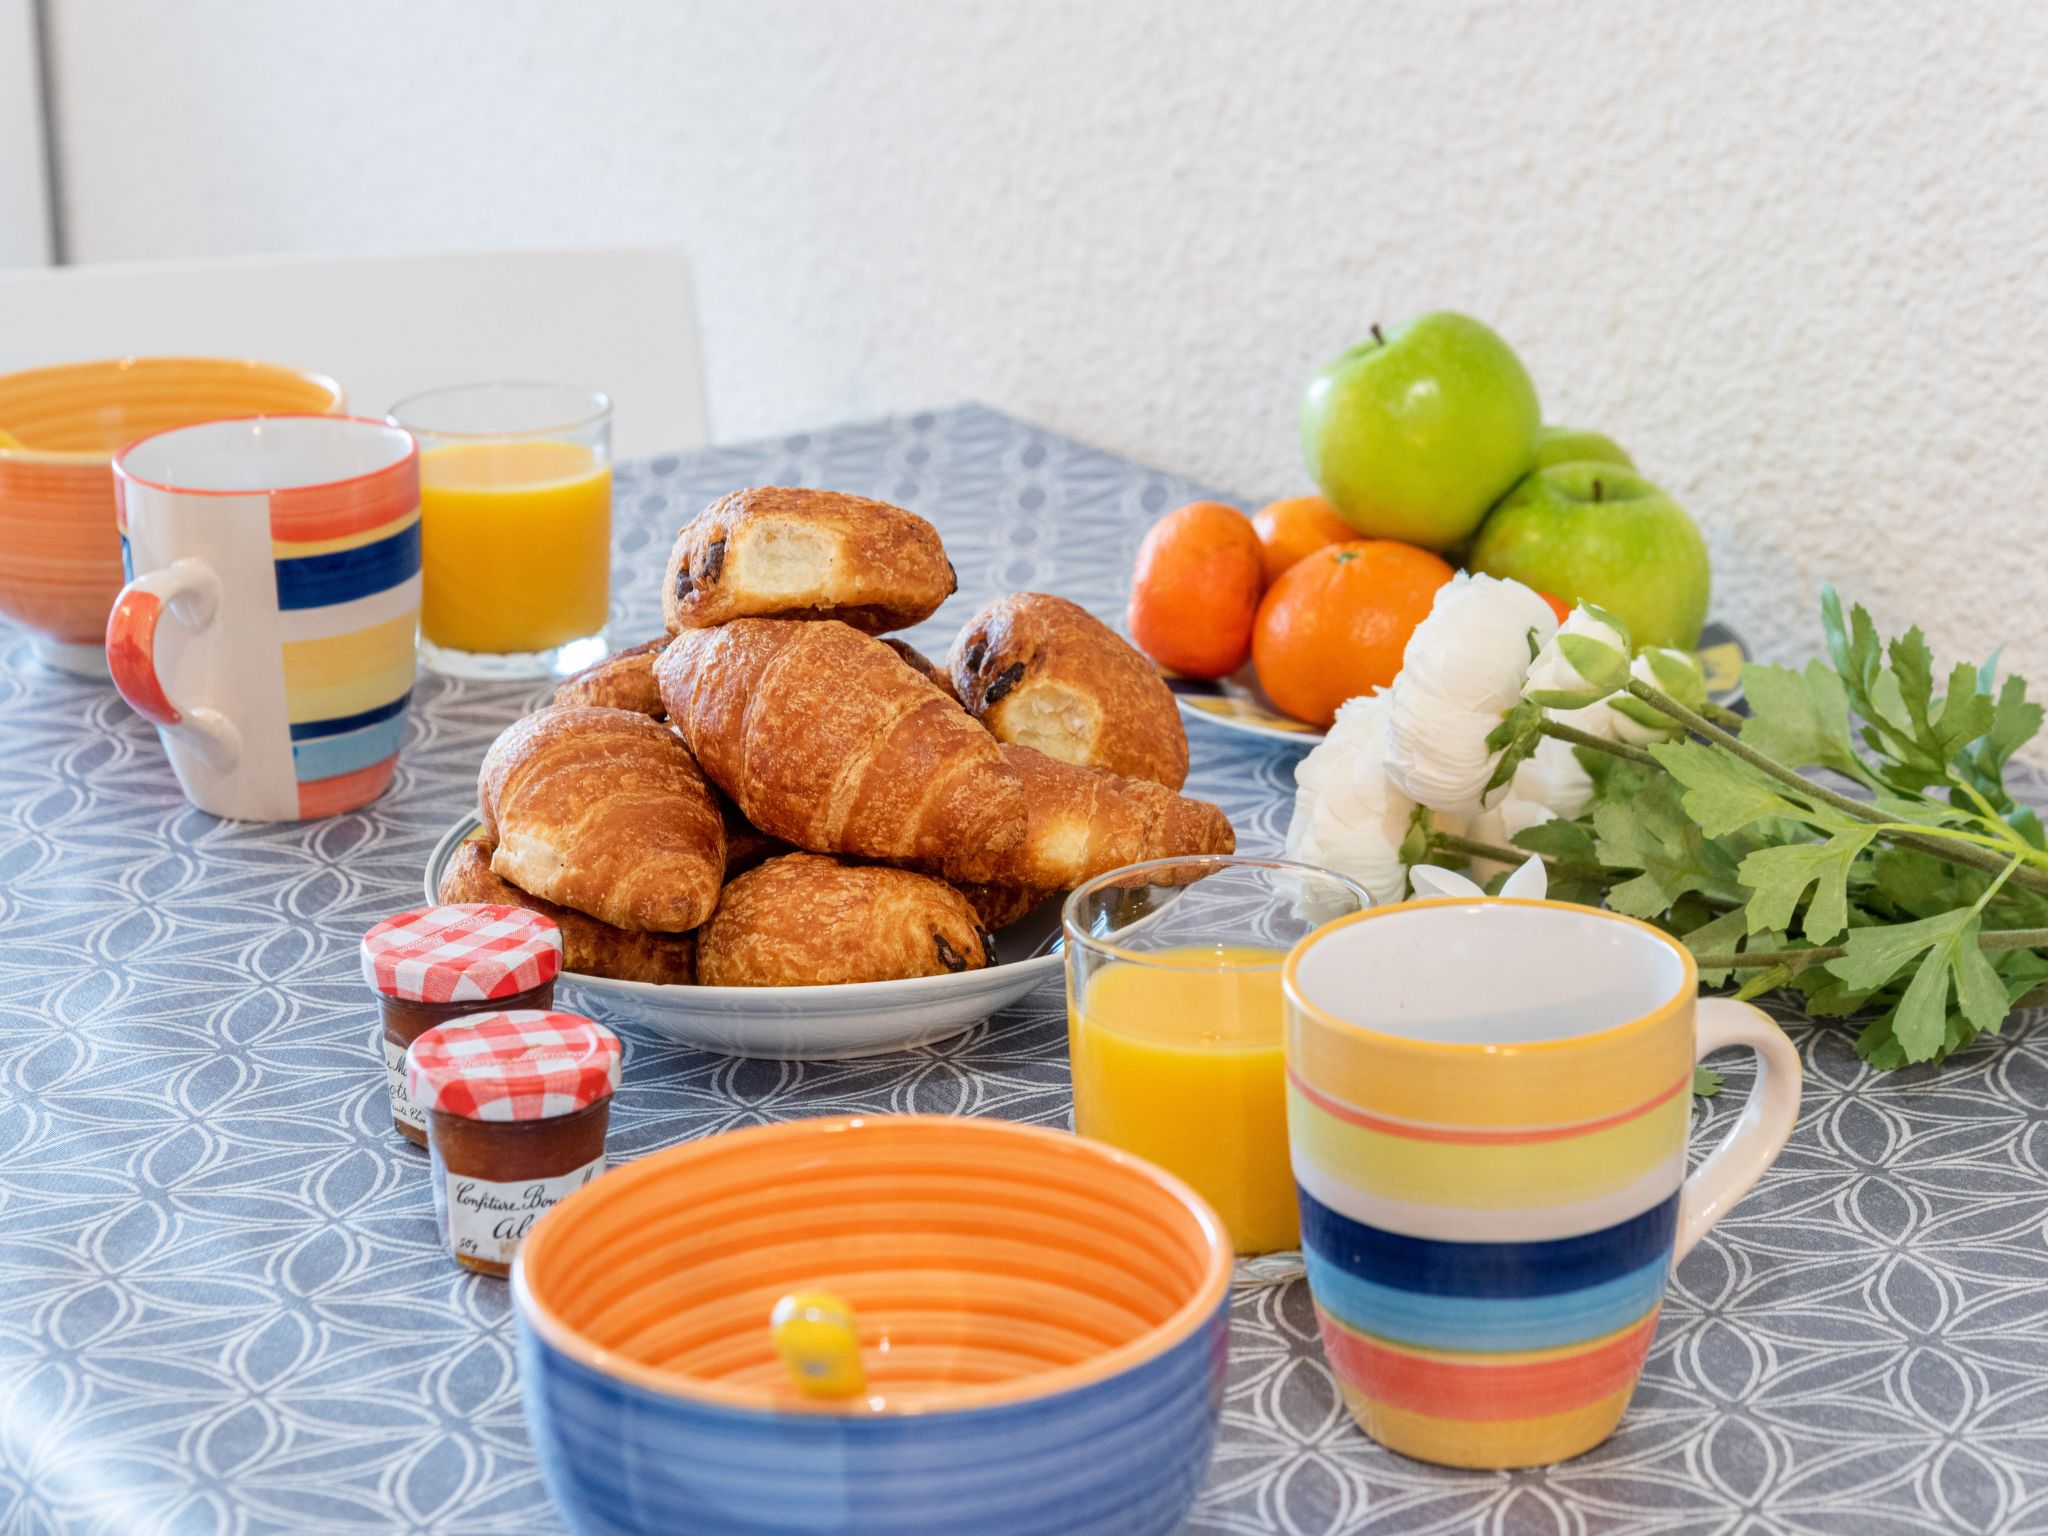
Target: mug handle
{"points": [[191, 591], [1760, 1133]]}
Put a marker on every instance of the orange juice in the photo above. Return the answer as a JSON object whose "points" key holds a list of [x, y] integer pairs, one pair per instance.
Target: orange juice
{"points": [[515, 545], [1181, 1062]]}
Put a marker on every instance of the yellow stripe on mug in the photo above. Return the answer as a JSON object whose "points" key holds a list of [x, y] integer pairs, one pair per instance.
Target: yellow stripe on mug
{"points": [[1486, 1175], [347, 674]]}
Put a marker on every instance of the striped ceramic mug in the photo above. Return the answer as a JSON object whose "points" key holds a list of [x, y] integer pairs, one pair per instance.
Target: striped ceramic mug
{"points": [[286, 552], [1488, 1103]]}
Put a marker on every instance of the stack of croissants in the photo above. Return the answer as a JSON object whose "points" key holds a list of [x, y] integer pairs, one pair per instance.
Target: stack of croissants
{"points": [[771, 795]]}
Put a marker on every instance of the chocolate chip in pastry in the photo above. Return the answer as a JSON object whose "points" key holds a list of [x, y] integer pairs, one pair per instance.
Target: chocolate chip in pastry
{"points": [[807, 920], [786, 552], [1045, 673]]}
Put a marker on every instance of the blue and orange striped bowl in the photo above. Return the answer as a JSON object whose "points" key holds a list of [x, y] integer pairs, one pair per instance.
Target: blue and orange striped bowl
{"points": [[1487, 1113], [1042, 1321]]}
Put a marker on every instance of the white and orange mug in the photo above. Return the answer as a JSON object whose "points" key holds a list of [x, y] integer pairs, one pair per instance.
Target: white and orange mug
{"points": [[285, 550]]}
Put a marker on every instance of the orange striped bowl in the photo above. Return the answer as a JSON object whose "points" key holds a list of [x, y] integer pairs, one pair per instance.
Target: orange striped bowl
{"points": [[1042, 1321], [59, 429]]}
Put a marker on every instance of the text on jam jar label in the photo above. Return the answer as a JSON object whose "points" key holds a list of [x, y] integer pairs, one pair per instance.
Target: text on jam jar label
{"points": [[489, 1220]]}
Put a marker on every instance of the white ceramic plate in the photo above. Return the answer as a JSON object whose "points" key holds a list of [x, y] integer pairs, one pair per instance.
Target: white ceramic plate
{"points": [[867, 1018], [1237, 702]]}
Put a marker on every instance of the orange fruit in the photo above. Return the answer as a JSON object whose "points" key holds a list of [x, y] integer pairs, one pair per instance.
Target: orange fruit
{"points": [[1337, 623], [1295, 526], [1558, 606], [1196, 589]]}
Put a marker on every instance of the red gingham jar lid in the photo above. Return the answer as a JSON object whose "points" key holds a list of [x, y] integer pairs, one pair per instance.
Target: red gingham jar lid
{"points": [[473, 952], [516, 1064]]}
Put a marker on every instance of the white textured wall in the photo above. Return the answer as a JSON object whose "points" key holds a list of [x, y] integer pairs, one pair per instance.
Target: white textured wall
{"points": [[1791, 254]]}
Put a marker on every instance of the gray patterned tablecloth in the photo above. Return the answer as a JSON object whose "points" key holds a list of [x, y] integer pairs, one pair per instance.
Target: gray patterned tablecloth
{"points": [[223, 1305]]}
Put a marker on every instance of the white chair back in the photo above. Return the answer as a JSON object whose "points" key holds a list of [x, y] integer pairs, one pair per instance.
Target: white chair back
{"points": [[621, 320]]}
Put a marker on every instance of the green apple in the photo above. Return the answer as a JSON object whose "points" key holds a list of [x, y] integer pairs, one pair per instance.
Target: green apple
{"points": [[1602, 534], [1576, 445], [1416, 431]]}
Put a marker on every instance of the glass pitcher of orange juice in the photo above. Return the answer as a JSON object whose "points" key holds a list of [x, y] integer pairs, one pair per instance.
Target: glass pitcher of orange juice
{"points": [[515, 527], [1174, 1022]]}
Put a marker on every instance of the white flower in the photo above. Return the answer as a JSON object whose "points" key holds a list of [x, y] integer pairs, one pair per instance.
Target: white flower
{"points": [[1347, 816], [1629, 720], [1585, 661], [1463, 671], [1530, 882]]}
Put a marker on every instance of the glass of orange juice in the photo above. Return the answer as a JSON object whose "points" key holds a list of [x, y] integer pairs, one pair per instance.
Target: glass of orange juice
{"points": [[1174, 1025], [515, 527]]}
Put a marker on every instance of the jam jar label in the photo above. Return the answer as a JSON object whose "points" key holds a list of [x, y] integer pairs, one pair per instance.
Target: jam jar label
{"points": [[403, 1110], [489, 1220]]}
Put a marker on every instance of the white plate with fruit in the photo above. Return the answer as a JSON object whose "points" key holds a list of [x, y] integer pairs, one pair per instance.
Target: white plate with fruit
{"points": [[1428, 443]]}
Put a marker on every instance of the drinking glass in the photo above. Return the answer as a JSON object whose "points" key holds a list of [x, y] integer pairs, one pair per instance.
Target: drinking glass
{"points": [[516, 525], [1175, 1025]]}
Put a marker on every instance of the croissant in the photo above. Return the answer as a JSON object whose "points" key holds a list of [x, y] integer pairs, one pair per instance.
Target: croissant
{"points": [[923, 665], [604, 811], [1043, 672], [804, 920], [589, 947], [623, 680], [828, 741], [1084, 822], [784, 552]]}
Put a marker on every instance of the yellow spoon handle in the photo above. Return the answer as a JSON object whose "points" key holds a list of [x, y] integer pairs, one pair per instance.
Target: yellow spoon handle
{"points": [[815, 1335]]}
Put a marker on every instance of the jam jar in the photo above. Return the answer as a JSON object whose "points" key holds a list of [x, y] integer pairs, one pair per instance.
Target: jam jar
{"points": [[517, 1104], [440, 963]]}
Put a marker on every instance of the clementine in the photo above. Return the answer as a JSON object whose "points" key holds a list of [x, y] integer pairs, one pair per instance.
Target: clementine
{"points": [[1293, 527], [1196, 590], [1337, 623]]}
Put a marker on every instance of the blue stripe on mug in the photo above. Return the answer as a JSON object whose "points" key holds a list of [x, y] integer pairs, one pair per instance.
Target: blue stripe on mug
{"points": [[1488, 1269], [318, 581], [328, 756], [1494, 1324], [307, 730]]}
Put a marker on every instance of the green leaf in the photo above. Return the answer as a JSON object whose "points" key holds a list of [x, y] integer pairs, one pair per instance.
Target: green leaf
{"points": [[1763, 981], [1517, 736], [1717, 936], [2014, 722], [1875, 955], [1598, 663], [1678, 674], [1558, 839], [1779, 876], [1852, 647], [1913, 666], [1965, 714], [1912, 881], [1653, 834], [1980, 991], [1799, 720], [1722, 793], [1706, 1082], [1415, 845], [1921, 1023]]}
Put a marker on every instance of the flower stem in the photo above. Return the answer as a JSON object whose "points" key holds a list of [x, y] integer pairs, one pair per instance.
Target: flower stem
{"points": [[1950, 849], [1472, 848], [1727, 718], [1799, 959], [1558, 730]]}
